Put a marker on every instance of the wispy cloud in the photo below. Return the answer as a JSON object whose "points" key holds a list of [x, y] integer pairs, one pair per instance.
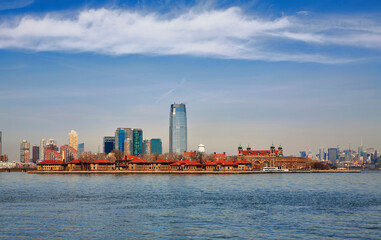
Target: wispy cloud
{"points": [[227, 33], [13, 4], [170, 91]]}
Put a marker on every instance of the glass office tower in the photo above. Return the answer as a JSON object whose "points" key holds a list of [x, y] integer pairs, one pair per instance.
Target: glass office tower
{"points": [[178, 128], [156, 146], [108, 144], [137, 141]]}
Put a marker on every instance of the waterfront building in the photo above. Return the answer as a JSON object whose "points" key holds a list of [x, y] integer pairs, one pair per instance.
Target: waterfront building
{"points": [[147, 147], [50, 165], [272, 158], [156, 146], [137, 142], [108, 144], [26, 156], [42, 149], [178, 128], [332, 155], [121, 134], [73, 139], [186, 165], [36, 153], [68, 153], [24, 146], [81, 148], [102, 165], [128, 147], [162, 165]]}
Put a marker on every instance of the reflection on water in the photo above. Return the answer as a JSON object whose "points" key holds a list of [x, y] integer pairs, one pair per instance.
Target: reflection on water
{"points": [[285, 206]]}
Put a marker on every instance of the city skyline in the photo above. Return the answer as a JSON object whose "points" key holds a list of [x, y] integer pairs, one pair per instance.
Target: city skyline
{"points": [[304, 75]]}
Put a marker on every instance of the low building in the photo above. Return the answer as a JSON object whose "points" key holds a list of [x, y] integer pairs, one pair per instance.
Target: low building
{"points": [[102, 165], [51, 165], [78, 165], [161, 165], [139, 165], [186, 165], [242, 165], [220, 165]]}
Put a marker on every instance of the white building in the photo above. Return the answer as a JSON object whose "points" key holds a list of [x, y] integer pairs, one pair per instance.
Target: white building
{"points": [[73, 139]]}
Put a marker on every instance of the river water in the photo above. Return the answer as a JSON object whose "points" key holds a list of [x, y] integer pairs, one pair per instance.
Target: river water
{"points": [[280, 206]]}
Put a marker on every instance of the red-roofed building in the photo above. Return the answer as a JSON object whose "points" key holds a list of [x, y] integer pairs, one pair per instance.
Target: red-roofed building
{"points": [[192, 155], [219, 156], [102, 165], [243, 165], [220, 165], [161, 165], [139, 165], [186, 165], [78, 165], [51, 165]]}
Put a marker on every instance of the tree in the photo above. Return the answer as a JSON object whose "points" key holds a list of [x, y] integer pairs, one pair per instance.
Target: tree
{"points": [[118, 154]]}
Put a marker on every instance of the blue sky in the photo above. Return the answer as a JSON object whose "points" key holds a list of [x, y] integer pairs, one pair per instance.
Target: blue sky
{"points": [[304, 74]]}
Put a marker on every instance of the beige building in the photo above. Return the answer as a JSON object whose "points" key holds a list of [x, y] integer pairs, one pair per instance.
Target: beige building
{"points": [[73, 139]]}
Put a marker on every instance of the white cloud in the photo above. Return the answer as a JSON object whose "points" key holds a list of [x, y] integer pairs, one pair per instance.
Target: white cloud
{"points": [[228, 33]]}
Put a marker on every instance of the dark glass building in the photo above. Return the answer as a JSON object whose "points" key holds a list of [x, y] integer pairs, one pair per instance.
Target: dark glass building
{"points": [[332, 154], [36, 153], [137, 142], [81, 148], [156, 146], [108, 144], [178, 128]]}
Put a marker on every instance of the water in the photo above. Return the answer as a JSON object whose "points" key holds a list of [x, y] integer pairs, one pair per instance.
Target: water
{"points": [[281, 206]]}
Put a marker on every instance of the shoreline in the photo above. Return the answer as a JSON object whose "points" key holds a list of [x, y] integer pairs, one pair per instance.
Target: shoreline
{"points": [[192, 172]]}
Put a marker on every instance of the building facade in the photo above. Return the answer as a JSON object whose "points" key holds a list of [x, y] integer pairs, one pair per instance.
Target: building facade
{"points": [[73, 139], [35, 154], [332, 155], [42, 149], [137, 141], [108, 144], [27, 156], [121, 134], [68, 153], [147, 147], [1, 145], [156, 146], [81, 148], [128, 147], [24, 146], [178, 129]]}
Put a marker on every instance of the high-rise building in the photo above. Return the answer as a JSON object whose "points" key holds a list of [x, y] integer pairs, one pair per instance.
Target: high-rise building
{"points": [[42, 149], [1, 145], [147, 147], [26, 156], [36, 153], [156, 146], [332, 155], [128, 147], [137, 142], [108, 144], [73, 139], [81, 148], [121, 134], [52, 145], [178, 128], [24, 146]]}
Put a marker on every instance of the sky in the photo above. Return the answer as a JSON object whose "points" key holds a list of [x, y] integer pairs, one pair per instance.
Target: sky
{"points": [[301, 74]]}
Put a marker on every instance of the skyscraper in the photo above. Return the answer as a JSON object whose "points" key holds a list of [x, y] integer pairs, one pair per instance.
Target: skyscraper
{"points": [[137, 142], [81, 148], [128, 147], [108, 144], [42, 149], [147, 147], [73, 139], [156, 146], [36, 153], [121, 134], [178, 128], [24, 146], [332, 155]]}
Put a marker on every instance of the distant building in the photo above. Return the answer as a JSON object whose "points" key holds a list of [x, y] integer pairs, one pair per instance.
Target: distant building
{"points": [[128, 147], [52, 155], [26, 156], [147, 147], [121, 134], [332, 155], [73, 139], [137, 141], [4, 158], [42, 149], [81, 148], [108, 144], [24, 146], [302, 154], [68, 153], [156, 146], [201, 148], [36, 153], [178, 128], [52, 145]]}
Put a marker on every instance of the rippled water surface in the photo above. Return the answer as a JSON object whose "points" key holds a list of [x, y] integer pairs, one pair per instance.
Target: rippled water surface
{"points": [[281, 206]]}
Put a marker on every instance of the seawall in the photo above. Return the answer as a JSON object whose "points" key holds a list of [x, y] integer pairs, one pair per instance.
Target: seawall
{"points": [[193, 172]]}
